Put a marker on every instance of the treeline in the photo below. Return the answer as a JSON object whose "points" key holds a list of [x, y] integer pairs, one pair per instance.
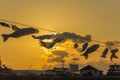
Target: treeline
{"points": [[35, 77]]}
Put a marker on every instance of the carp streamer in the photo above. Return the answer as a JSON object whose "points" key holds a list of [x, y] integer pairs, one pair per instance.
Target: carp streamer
{"points": [[110, 46]]}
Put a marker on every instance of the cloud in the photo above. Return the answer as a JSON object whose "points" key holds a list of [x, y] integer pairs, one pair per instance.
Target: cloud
{"points": [[50, 55], [58, 56], [76, 59], [102, 64], [112, 44], [45, 66], [60, 53], [56, 59]]}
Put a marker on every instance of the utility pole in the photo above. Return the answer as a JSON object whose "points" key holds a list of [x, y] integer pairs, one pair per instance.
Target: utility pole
{"points": [[0, 62], [62, 64]]}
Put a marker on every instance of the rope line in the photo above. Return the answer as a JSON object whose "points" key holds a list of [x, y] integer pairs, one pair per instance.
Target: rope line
{"points": [[27, 25]]}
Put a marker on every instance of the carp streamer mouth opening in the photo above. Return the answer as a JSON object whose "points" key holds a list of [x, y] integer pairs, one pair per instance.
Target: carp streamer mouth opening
{"points": [[37, 31]]}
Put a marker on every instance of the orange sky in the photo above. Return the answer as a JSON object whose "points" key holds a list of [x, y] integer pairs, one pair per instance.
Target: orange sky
{"points": [[100, 18]]}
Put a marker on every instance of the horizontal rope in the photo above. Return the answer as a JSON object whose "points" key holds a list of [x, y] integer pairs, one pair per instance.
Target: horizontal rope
{"points": [[27, 25]]}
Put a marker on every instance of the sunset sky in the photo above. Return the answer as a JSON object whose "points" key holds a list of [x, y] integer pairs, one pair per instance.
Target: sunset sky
{"points": [[99, 18]]}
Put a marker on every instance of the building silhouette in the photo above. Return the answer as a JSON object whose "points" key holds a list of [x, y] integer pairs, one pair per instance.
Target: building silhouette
{"points": [[4, 70], [60, 71], [27, 72], [90, 71], [114, 70], [73, 67]]}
